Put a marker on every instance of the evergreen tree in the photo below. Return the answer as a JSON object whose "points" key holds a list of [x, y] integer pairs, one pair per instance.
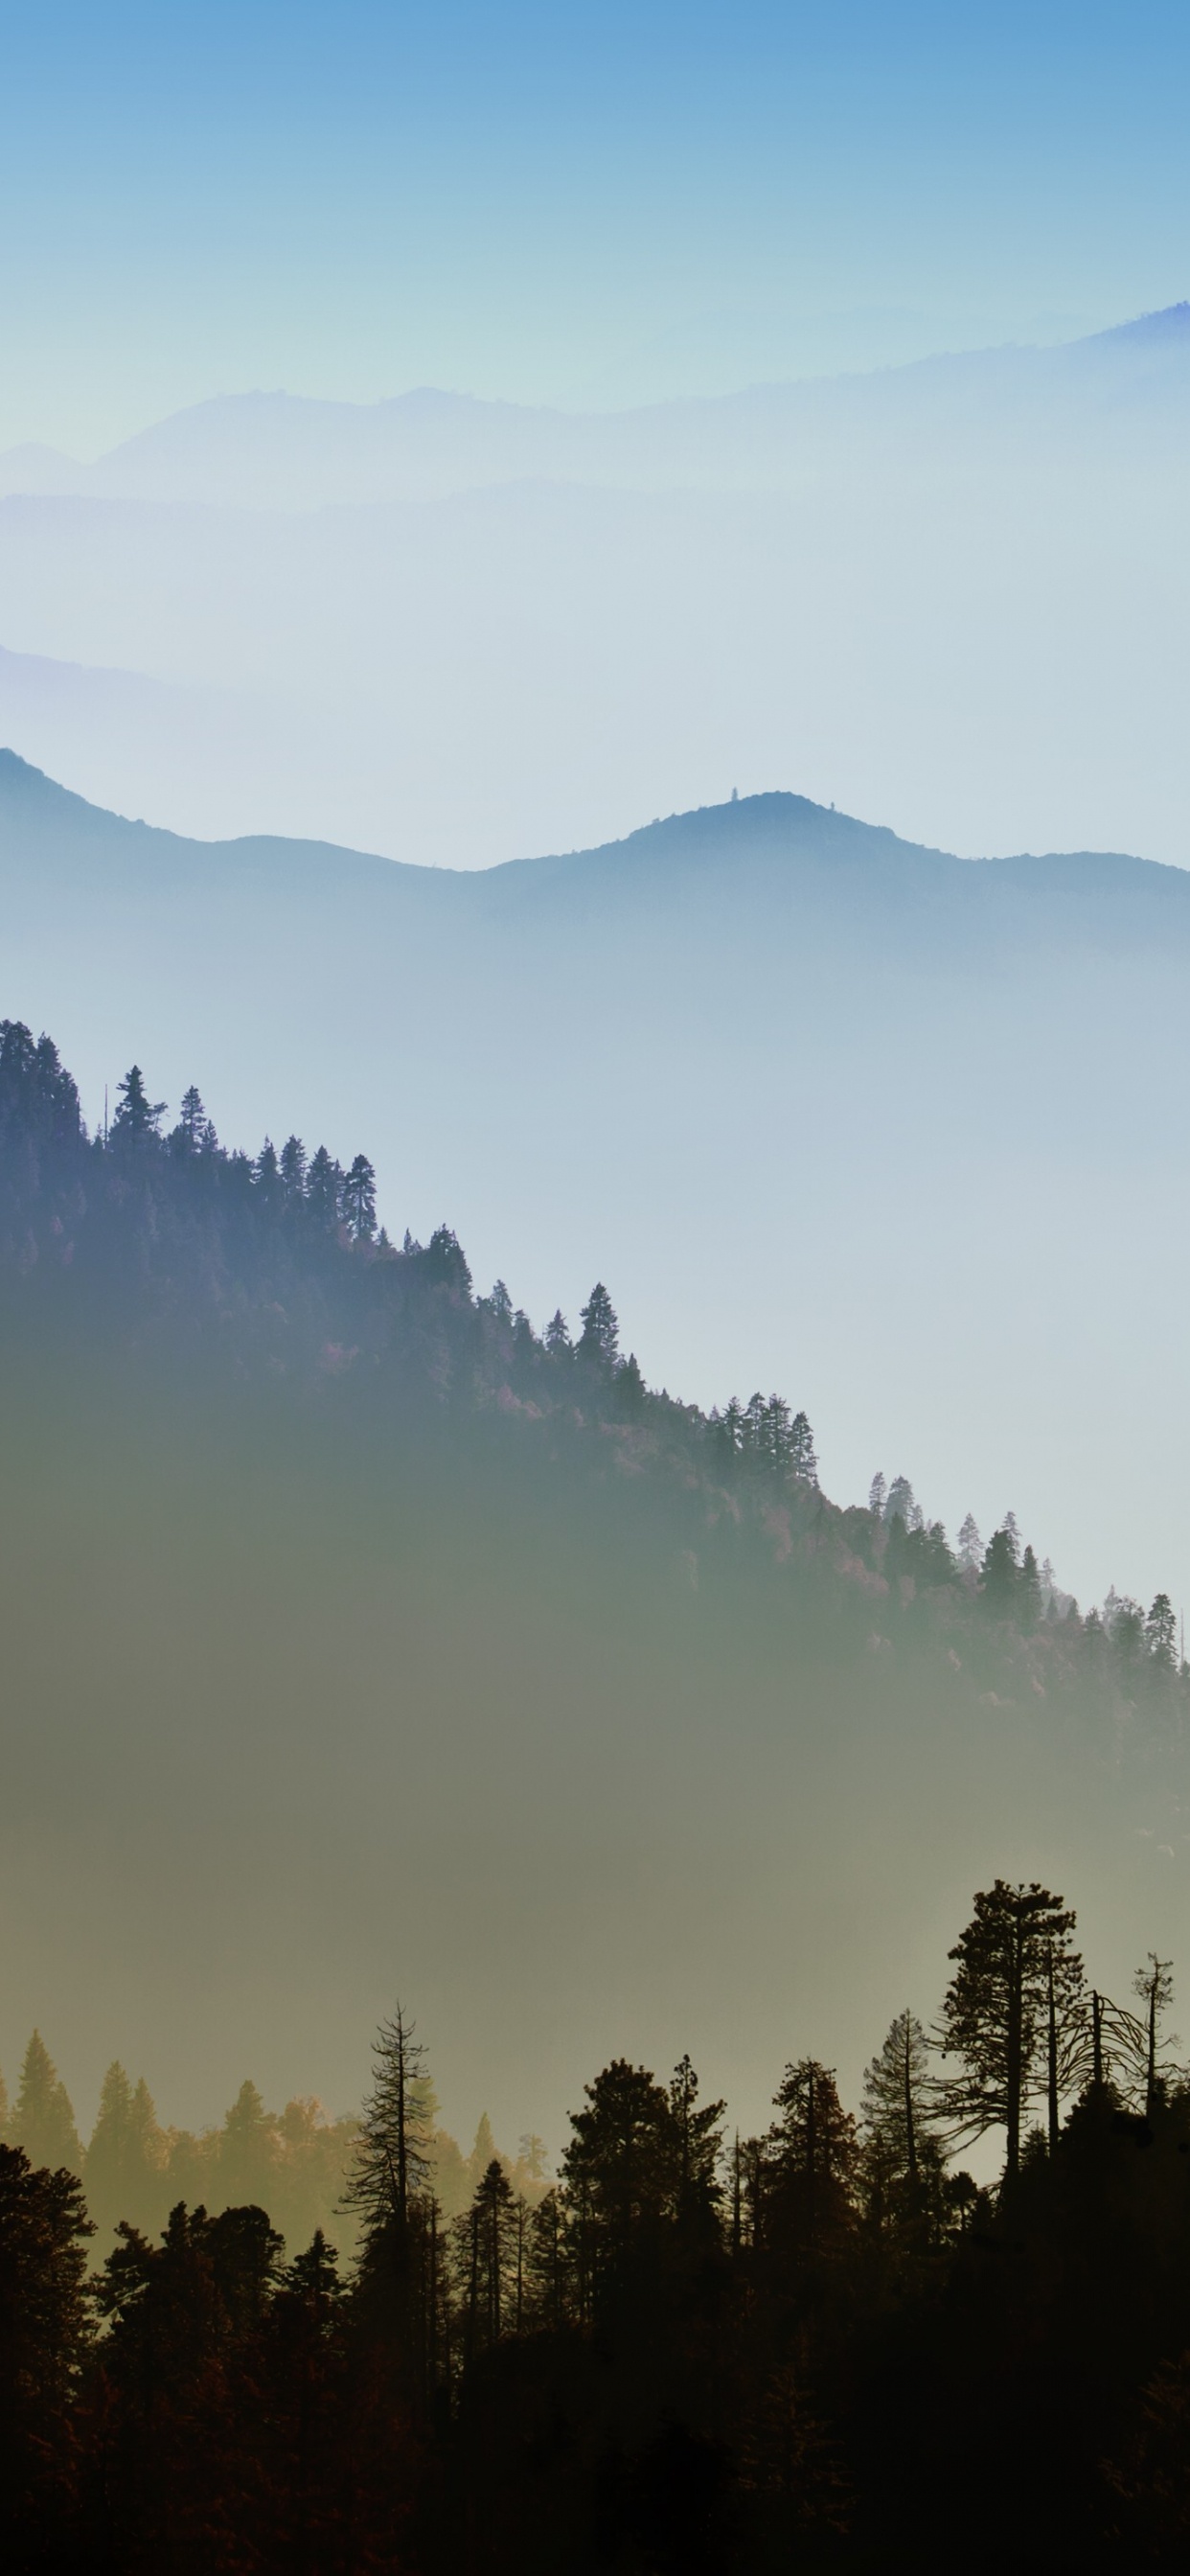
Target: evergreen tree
{"points": [[393, 2158], [266, 1172], [899, 1505], [531, 2156], [194, 1133], [359, 1200], [630, 1386], [42, 2119], [1001, 1572], [293, 1171], [482, 2153], [137, 1118], [810, 2161], [776, 1435], [323, 1184], [1028, 1602], [803, 1464], [488, 2260], [1153, 1987], [970, 1546], [126, 2153], [599, 1340], [44, 2339], [557, 1336], [549, 2269], [1018, 1978], [248, 2153], [1161, 1632], [902, 2152], [878, 1494], [621, 2170]]}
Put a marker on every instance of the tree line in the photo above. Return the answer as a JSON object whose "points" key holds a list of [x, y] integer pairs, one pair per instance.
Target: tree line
{"points": [[272, 1268], [822, 2345], [294, 2162]]}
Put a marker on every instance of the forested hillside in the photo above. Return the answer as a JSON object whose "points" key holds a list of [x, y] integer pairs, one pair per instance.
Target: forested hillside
{"points": [[271, 1269]]}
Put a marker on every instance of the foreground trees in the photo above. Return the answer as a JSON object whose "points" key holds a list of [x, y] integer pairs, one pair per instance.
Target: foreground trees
{"points": [[806, 2350], [1014, 2000]]}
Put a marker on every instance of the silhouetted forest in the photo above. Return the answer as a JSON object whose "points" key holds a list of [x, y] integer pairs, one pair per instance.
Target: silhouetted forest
{"points": [[820, 2347]]}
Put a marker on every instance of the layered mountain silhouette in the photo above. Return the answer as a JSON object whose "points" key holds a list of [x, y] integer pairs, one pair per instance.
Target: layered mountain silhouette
{"points": [[455, 631]]}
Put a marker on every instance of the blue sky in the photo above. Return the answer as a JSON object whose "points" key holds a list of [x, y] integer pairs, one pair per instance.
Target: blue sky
{"points": [[565, 203]]}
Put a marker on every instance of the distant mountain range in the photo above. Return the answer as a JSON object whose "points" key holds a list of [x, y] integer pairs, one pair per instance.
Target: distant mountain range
{"points": [[455, 631], [278, 451], [838, 1114]]}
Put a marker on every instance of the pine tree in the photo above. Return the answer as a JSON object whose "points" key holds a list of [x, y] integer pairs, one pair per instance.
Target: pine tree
{"points": [[125, 2154], [292, 1167], [803, 1464], [970, 1546], [630, 1386], [899, 1505], [45, 2334], [266, 1172], [599, 1340], [482, 2153], [393, 2160], [1000, 1572], [901, 2147], [1161, 1632], [549, 2277], [810, 2162], [878, 1494], [557, 1336], [1028, 1602], [488, 2259], [359, 1200], [137, 1118], [1153, 1987], [42, 2119], [194, 1133], [323, 1185], [698, 2129], [621, 2170], [248, 2153], [1018, 1979]]}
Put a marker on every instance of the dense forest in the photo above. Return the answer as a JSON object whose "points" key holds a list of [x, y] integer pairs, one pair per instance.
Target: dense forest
{"points": [[823, 2346]]}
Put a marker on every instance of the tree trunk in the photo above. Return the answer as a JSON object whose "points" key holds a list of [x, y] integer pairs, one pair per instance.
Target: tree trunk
{"points": [[910, 2122], [1014, 2070], [1052, 2057]]}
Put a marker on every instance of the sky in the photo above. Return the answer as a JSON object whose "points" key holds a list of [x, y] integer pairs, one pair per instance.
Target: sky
{"points": [[577, 205]]}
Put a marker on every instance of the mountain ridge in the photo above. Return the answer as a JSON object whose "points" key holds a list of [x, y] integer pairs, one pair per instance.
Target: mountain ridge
{"points": [[441, 440], [754, 819]]}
